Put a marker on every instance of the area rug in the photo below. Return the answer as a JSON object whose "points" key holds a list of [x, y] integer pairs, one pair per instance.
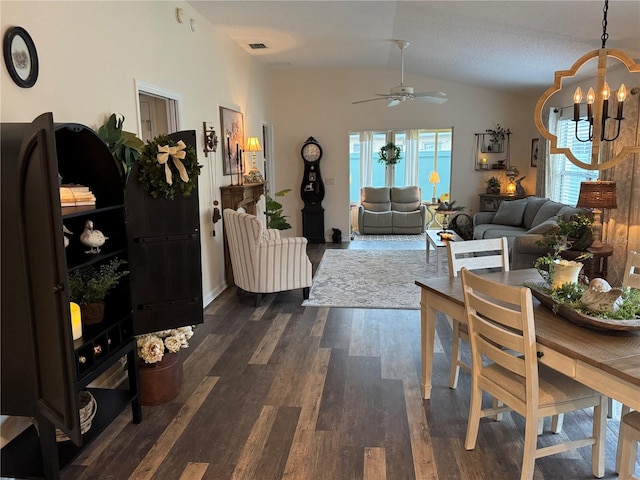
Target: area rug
{"points": [[370, 279]]}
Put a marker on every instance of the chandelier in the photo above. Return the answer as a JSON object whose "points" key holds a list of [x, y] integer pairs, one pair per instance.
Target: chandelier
{"points": [[597, 106]]}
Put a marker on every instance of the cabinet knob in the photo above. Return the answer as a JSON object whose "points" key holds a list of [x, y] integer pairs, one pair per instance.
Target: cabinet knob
{"points": [[57, 288]]}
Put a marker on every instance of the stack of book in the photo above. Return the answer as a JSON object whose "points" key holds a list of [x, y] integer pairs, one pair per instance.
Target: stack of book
{"points": [[76, 196]]}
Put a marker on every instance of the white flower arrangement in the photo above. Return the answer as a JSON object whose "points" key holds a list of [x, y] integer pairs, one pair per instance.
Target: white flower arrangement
{"points": [[153, 346]]}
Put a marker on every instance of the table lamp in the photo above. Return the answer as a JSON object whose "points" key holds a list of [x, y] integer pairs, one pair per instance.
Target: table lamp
{"points": [[597, 196], [253, 176], [434, 178]]}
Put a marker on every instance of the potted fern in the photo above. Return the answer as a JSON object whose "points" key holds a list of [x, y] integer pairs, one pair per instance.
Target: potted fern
{"points": [[89, 286]]}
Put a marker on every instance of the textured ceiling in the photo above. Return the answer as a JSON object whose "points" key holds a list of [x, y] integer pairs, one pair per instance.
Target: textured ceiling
{"points": [[513, 46]]}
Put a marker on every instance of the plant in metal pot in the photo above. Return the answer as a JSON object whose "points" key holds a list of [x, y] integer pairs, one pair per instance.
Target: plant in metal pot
{"points": [[89, 286], [493, 185], [275, 219]]}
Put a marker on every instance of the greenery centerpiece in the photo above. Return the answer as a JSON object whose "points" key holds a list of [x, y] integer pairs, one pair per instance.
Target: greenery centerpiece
{"points": [[89, 287], [390, 154], [275, 219]]}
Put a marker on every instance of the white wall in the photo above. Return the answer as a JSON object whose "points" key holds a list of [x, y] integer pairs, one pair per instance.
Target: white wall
{"points": [[90, 55], [318, 103]]}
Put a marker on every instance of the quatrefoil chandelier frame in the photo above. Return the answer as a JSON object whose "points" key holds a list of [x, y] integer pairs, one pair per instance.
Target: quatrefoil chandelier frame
{"points": [[601, 54]]}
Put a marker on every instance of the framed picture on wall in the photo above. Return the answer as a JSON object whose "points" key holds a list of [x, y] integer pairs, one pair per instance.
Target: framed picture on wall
{"points": [[534, 151], [232, 127]]}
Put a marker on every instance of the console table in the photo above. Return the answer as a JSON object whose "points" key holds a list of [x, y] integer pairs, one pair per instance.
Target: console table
{"points": [[489, 202]]}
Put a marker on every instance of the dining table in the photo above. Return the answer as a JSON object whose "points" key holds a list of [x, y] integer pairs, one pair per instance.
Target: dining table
{"points": [[606, 360]]}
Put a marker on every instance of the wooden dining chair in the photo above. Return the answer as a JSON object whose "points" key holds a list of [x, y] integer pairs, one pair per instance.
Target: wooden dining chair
{"points": [[630, 434], [472, 255], [630, 279], [502, 333]]}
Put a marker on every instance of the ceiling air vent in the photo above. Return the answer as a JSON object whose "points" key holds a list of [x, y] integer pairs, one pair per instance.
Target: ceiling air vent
{"points": [[257, 46]]}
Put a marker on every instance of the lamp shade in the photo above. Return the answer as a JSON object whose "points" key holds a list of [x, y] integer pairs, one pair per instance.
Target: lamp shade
{"points": [[434, 177], [597, 195], [252, 145]]}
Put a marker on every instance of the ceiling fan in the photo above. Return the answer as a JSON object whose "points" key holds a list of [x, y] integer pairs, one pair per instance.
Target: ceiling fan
{"points": [[402, 92]]}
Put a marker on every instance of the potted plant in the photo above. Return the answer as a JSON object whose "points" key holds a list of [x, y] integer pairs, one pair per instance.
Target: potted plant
{"points": [[497, 136], [275, 219], [89, 286], [493, 185], [390, 154]]}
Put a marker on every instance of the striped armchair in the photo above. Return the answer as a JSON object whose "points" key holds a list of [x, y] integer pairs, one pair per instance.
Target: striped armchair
{"points": [[263, 262]]}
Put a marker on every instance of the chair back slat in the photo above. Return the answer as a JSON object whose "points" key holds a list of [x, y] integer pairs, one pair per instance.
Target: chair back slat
{"points": [[632, 271], [501, 327], [487, 253]]}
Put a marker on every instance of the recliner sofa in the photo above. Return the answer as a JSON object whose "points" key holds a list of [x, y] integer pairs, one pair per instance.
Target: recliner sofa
{"points": [[523, 222], [391, 210]]}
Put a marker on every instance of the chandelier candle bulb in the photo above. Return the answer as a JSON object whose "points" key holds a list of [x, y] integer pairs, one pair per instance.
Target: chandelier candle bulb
{"points": [[577, 99], [622, 95]]}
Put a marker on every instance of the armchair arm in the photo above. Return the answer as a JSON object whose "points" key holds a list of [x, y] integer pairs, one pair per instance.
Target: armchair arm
{"points": [[360, 219], [282, 264], [271, 233]]}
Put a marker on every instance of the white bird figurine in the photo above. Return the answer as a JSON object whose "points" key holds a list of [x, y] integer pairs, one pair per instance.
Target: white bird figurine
{"points": [[92, 238], [66, 239]]}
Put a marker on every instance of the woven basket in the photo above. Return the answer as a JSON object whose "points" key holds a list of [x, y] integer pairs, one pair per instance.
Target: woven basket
{"points": [[88, 409]]}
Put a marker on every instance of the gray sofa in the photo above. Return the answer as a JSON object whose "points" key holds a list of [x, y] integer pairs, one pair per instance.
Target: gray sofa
{"points": [[391, 210], [523, 222]]}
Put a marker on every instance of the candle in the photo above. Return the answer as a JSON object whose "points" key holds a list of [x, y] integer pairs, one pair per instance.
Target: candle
{"points": [[76, 321]]}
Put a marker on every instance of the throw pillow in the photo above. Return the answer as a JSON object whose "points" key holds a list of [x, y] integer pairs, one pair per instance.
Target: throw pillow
{"points": [[510, 213]]}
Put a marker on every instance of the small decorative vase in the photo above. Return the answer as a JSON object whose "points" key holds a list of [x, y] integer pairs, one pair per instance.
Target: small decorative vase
{"points": [[565, 271], [160, 382], [92, 313]]}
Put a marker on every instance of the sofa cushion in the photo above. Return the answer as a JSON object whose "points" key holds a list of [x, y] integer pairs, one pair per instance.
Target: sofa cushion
{"points": [[510, 213], [378, 219], [533, 205], [405, 199], [546, 211], [567, 212], [376, 199], [490, 230]]}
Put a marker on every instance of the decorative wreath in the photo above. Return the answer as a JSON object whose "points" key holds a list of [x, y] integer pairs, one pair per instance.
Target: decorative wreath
{"points": [[384, 152], [168, 168]]}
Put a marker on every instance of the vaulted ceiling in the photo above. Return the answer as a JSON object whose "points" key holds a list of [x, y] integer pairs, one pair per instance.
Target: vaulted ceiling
{"points": [[512, 46]]}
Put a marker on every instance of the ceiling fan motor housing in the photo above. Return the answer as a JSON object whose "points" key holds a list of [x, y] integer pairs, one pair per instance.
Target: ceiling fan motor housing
{"points": [[402, 90]]}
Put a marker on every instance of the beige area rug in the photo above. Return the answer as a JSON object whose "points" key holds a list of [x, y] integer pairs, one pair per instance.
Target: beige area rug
{"points": [[370, 279]]}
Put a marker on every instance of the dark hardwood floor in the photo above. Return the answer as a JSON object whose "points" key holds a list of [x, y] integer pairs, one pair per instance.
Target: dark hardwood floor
{"points": [[284, 391]]}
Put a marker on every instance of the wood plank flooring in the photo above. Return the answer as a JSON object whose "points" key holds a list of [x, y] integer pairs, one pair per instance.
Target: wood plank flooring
{"points": [[287, 392]]}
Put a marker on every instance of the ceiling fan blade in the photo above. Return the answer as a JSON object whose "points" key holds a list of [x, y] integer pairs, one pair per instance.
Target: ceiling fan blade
{"points": [[369, 100], [432, 97], [393, 102]]}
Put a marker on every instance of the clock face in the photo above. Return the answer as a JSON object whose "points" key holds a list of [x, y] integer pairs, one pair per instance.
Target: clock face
{"points": [[311, 152]]}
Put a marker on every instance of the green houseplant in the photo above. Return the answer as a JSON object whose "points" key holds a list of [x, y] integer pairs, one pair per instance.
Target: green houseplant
{"points": [[89, 286], [493, 185], [275, 219], [497, 136], [124, 146]]}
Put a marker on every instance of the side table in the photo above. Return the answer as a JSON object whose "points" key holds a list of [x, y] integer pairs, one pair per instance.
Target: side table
{"points": [[595, 267]]}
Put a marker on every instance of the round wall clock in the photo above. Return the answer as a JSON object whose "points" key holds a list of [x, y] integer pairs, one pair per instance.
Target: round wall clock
{"points": [[20, 57], [311, 150]]}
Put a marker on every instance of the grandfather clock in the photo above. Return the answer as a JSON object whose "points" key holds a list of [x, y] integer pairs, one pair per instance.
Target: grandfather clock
{"points": [[312, 192]]}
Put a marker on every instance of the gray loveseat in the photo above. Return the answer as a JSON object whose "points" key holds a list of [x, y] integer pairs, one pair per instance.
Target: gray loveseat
{"points": [[523, 222], [391, 210]]}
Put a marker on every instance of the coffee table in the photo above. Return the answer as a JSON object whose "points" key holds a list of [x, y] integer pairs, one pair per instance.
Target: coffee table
{"points": [[440, 246]]}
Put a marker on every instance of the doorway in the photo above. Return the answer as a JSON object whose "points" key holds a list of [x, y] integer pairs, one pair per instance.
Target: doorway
{"points": [[159, 111]]}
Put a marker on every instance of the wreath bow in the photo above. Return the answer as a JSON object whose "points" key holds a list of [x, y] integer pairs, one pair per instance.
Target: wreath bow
{"points": [[177, 153]]}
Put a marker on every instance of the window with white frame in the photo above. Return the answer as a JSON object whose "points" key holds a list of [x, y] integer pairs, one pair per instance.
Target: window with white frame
{"points": [[565, 177], [423, 151]]}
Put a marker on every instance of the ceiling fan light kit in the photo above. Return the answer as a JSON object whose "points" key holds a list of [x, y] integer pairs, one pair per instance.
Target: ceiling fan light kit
{"points": [[401, 93]]}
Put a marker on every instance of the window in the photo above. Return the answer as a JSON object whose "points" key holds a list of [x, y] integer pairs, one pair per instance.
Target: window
{"points": [[422, 152]]}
